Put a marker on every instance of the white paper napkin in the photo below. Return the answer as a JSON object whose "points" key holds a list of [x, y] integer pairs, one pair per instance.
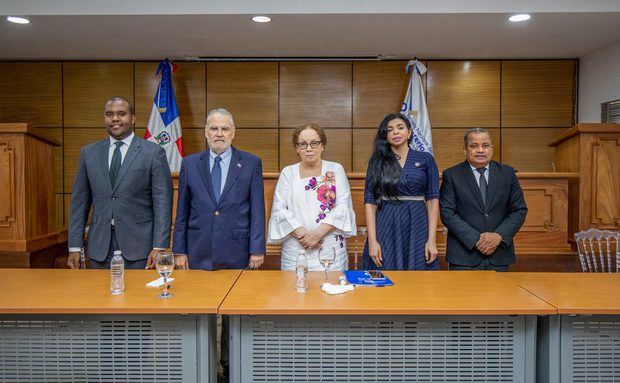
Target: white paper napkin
{"points": [[336, 289], [159, 282]]}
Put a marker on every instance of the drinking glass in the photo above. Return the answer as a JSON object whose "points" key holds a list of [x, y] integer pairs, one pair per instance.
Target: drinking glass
{"points": [[164, 263], [326, 257]]}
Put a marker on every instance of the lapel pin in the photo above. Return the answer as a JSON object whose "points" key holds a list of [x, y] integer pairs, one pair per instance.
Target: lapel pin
{"points": [[417, 164], [239, 164]]}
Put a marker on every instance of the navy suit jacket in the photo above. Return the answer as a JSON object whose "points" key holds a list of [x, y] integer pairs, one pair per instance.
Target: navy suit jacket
{"points": [[466, 217], [220, 235]]}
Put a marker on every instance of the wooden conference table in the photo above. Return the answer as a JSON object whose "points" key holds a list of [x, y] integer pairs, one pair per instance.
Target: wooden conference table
{"points": [[430, 326], [64, 326], [582, 343]]}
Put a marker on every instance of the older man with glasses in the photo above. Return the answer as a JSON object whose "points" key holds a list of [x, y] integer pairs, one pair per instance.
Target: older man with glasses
{"points": [[220, 221]]}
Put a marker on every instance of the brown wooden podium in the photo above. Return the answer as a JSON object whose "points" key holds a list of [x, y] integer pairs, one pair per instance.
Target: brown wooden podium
{"points": [[28, 233], [592, 150]]}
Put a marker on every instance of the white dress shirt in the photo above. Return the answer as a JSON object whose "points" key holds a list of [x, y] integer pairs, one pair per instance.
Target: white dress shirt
{"points": [[126, 142], [477, 175], [224, 164]]}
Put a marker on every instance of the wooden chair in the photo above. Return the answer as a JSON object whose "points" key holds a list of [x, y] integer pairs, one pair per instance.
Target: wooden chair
{"points": [[597, 251]]}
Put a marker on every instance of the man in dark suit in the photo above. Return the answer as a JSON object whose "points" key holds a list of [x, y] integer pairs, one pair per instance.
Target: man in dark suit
{"points": [[220, 221], [127, 181], [482, 206]]}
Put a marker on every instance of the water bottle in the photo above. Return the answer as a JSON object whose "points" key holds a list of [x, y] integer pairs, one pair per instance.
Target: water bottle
{"points": [[117, 274], [301, 268]]}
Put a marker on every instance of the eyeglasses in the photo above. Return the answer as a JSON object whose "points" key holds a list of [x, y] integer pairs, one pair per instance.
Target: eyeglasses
{"points": [[304, 145]]}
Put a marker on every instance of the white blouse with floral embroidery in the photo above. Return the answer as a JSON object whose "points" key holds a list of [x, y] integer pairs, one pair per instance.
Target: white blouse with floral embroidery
{"points": [[308, 202]]}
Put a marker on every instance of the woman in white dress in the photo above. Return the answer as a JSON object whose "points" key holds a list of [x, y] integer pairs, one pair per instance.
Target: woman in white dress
{"points": [[312, 208]]}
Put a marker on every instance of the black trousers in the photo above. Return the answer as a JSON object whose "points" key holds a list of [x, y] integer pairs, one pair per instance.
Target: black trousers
{"points": [[224, 347], [484, 265], [105, 264]]}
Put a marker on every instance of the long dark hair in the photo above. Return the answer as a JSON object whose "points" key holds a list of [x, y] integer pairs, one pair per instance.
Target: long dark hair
{"points": [[383, 168]]}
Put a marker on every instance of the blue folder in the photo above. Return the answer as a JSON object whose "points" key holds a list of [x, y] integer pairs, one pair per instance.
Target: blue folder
{"points": [[362, 278]]}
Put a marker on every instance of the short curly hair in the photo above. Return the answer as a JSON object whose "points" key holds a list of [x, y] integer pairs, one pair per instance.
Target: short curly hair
{"points": [[314, 127]]}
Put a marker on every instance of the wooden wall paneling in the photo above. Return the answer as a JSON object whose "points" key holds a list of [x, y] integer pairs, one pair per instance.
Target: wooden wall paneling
{"points": [[247, 90], [363, 145], [378, 89], [317, 93], [88, 85], [58, 151], [538, 93], [357, 183], [67, 205], [74, 140], [338, 148], [189, 88], [463, 93], [194, 140], [269, 182], [448, 146], [528, 150], [61, 224], [31, 92], [261, 143]]}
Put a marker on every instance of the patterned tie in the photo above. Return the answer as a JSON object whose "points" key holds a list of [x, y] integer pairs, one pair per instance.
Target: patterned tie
{"points": [[216, 178], [115, 166], [483, 185]]}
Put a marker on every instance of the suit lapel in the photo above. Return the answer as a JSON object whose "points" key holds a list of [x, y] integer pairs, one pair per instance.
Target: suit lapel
{"points": [[492, 184], [102, 159], [471, 182], [132, 152], [234, 169], [205, 173]]}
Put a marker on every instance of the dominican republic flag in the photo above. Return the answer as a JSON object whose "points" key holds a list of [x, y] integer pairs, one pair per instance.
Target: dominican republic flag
{"points": [[164, 126], [414, 108]]}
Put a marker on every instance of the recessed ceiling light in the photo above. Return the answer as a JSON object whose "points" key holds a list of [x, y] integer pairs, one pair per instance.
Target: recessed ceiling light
{"points": [[261, 19], [17, 20], [519, 17]]}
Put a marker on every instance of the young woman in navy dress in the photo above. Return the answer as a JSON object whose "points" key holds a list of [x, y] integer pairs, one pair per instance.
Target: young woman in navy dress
{"points": [[401, 200]]}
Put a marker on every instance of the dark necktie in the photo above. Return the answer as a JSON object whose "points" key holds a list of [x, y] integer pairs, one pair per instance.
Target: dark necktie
{"points": [[483, 185], [115, 165], [216, 178]]}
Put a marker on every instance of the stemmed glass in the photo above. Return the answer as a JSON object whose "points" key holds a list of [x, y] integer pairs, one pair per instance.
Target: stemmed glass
{"points": [[164, 263], [327, 257]]}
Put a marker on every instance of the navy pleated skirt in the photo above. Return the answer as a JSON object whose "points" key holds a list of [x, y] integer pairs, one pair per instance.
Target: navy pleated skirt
{"points": [[402, 232]]}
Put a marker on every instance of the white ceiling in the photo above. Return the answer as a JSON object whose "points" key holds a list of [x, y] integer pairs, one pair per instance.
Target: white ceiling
{"points": [[186, 29]]}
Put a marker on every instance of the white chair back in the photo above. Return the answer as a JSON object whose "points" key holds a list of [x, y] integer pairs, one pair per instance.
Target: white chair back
{"points": [[599, 250]]}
